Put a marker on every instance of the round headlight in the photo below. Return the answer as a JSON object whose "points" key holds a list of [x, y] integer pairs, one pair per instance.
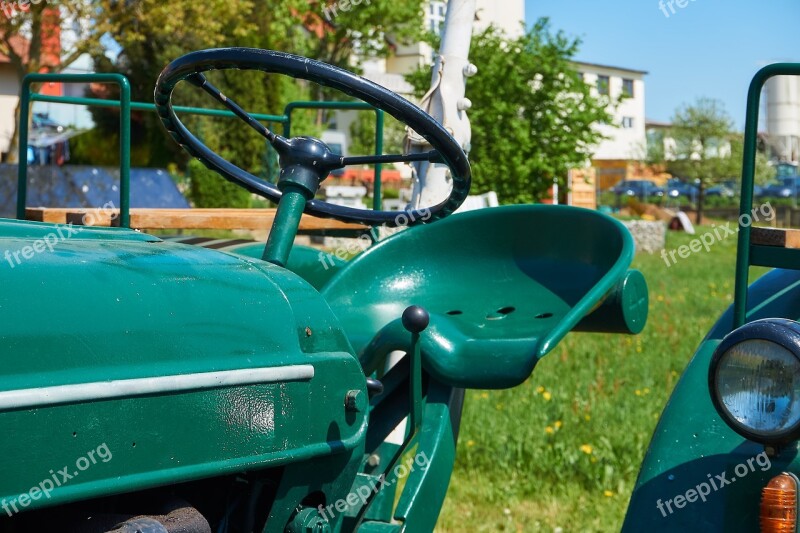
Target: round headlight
{"points": [[754, 380]]}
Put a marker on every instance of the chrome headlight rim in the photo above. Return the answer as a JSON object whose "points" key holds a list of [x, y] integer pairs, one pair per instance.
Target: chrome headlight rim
{"points": [[780, 331]]}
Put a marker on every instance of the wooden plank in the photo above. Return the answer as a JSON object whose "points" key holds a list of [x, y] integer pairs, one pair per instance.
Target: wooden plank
{"points": [[782, 238], [225, 219]]}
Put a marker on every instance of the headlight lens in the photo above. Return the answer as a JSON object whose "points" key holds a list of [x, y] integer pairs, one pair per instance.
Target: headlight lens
{"points": [[755, 380]]}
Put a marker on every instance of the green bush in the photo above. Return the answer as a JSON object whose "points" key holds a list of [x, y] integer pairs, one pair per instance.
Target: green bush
{"points": [[209, 189]]}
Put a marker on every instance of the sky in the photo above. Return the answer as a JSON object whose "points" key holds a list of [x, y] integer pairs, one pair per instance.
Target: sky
{"points": [[709, 48]]}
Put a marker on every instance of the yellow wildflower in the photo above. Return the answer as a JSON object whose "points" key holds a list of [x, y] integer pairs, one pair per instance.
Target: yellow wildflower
{"points": [[484, 395], [547, 396], [548, 430], [586, 448], [637, 392], [539, 389], [608, 493], [470, 443], [558, 424]]}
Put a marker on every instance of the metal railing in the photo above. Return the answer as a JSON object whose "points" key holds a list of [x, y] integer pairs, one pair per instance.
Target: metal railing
{"points": [[747, 254], [27, 97]]}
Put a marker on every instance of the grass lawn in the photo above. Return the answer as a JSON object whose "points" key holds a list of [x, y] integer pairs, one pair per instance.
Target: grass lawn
{"points": [[563, 449]]}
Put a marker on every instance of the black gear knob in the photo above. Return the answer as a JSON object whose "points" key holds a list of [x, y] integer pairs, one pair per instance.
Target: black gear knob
{"points": [[416, 319]]}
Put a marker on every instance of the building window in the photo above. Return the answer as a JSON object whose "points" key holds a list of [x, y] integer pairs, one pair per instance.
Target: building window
{"points": [[602, 85], [627, 122], [627, 87], [436, 12]]}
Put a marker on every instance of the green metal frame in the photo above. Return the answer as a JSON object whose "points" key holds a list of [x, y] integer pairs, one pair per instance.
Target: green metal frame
{"points": [[26, 97], [747, 254], [126, 106]]}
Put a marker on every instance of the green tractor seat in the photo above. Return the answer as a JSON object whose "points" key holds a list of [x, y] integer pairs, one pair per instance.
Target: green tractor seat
{"points": [[503, 286]]}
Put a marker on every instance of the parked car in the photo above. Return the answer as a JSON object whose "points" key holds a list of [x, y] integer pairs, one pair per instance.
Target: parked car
{"points": [[641, 189], [677, 188], [787, 187], [725, 189]]}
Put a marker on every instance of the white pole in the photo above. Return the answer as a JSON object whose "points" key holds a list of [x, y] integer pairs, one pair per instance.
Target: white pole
{"points": [[446, 101]]}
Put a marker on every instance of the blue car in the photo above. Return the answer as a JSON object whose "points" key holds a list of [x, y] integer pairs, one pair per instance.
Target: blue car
{"points": [[677, 188], [641, 189], [787, 187]]}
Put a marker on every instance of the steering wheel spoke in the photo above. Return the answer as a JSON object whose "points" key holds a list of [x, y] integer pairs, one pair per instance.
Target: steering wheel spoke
{"points": [[198, 80], [432, 156]]}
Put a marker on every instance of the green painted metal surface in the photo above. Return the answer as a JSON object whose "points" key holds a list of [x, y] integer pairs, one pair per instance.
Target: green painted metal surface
{"points": [[124, 134], [113, 304], [744, 251], [501, 287], [313, 265], [692, 444], [284, 230]]}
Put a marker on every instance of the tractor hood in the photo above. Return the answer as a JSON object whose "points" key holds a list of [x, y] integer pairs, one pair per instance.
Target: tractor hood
{"points": [[183, 362]]}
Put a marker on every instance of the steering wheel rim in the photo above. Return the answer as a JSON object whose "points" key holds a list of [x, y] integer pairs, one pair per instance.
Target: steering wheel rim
{"points": [[270, 61]]}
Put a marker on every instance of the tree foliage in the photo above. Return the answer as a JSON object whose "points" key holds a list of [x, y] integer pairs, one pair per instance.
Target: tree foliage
{"points": [[532, 116], [369, 28], [27, 29], [151, 33]]}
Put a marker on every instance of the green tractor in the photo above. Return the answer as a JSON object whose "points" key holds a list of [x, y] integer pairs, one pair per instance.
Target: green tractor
{"points": [[154, 386]]}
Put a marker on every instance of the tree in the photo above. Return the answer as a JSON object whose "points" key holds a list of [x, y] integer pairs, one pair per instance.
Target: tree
{"points": [[705, 148], [30, 36], [532, 115], [701, 133], [346, 32], [365, 29], [151, 33], [764, 171]]}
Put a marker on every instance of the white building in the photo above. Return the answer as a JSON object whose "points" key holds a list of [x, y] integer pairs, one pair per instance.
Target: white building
{"points": [[9, 89], [783, 118], [626, 136]]}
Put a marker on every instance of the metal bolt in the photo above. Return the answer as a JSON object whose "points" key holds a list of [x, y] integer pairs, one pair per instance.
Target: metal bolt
{"points": [[354, 401], [374, 460], [308, 520], [308, 332]]}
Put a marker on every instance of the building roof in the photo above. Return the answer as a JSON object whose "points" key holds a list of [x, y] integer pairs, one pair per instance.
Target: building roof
{"points": [[656, 124], [611, 67]]}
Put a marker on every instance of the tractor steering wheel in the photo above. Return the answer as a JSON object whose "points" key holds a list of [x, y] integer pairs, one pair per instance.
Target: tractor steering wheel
{"points": [[306, 157]]}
